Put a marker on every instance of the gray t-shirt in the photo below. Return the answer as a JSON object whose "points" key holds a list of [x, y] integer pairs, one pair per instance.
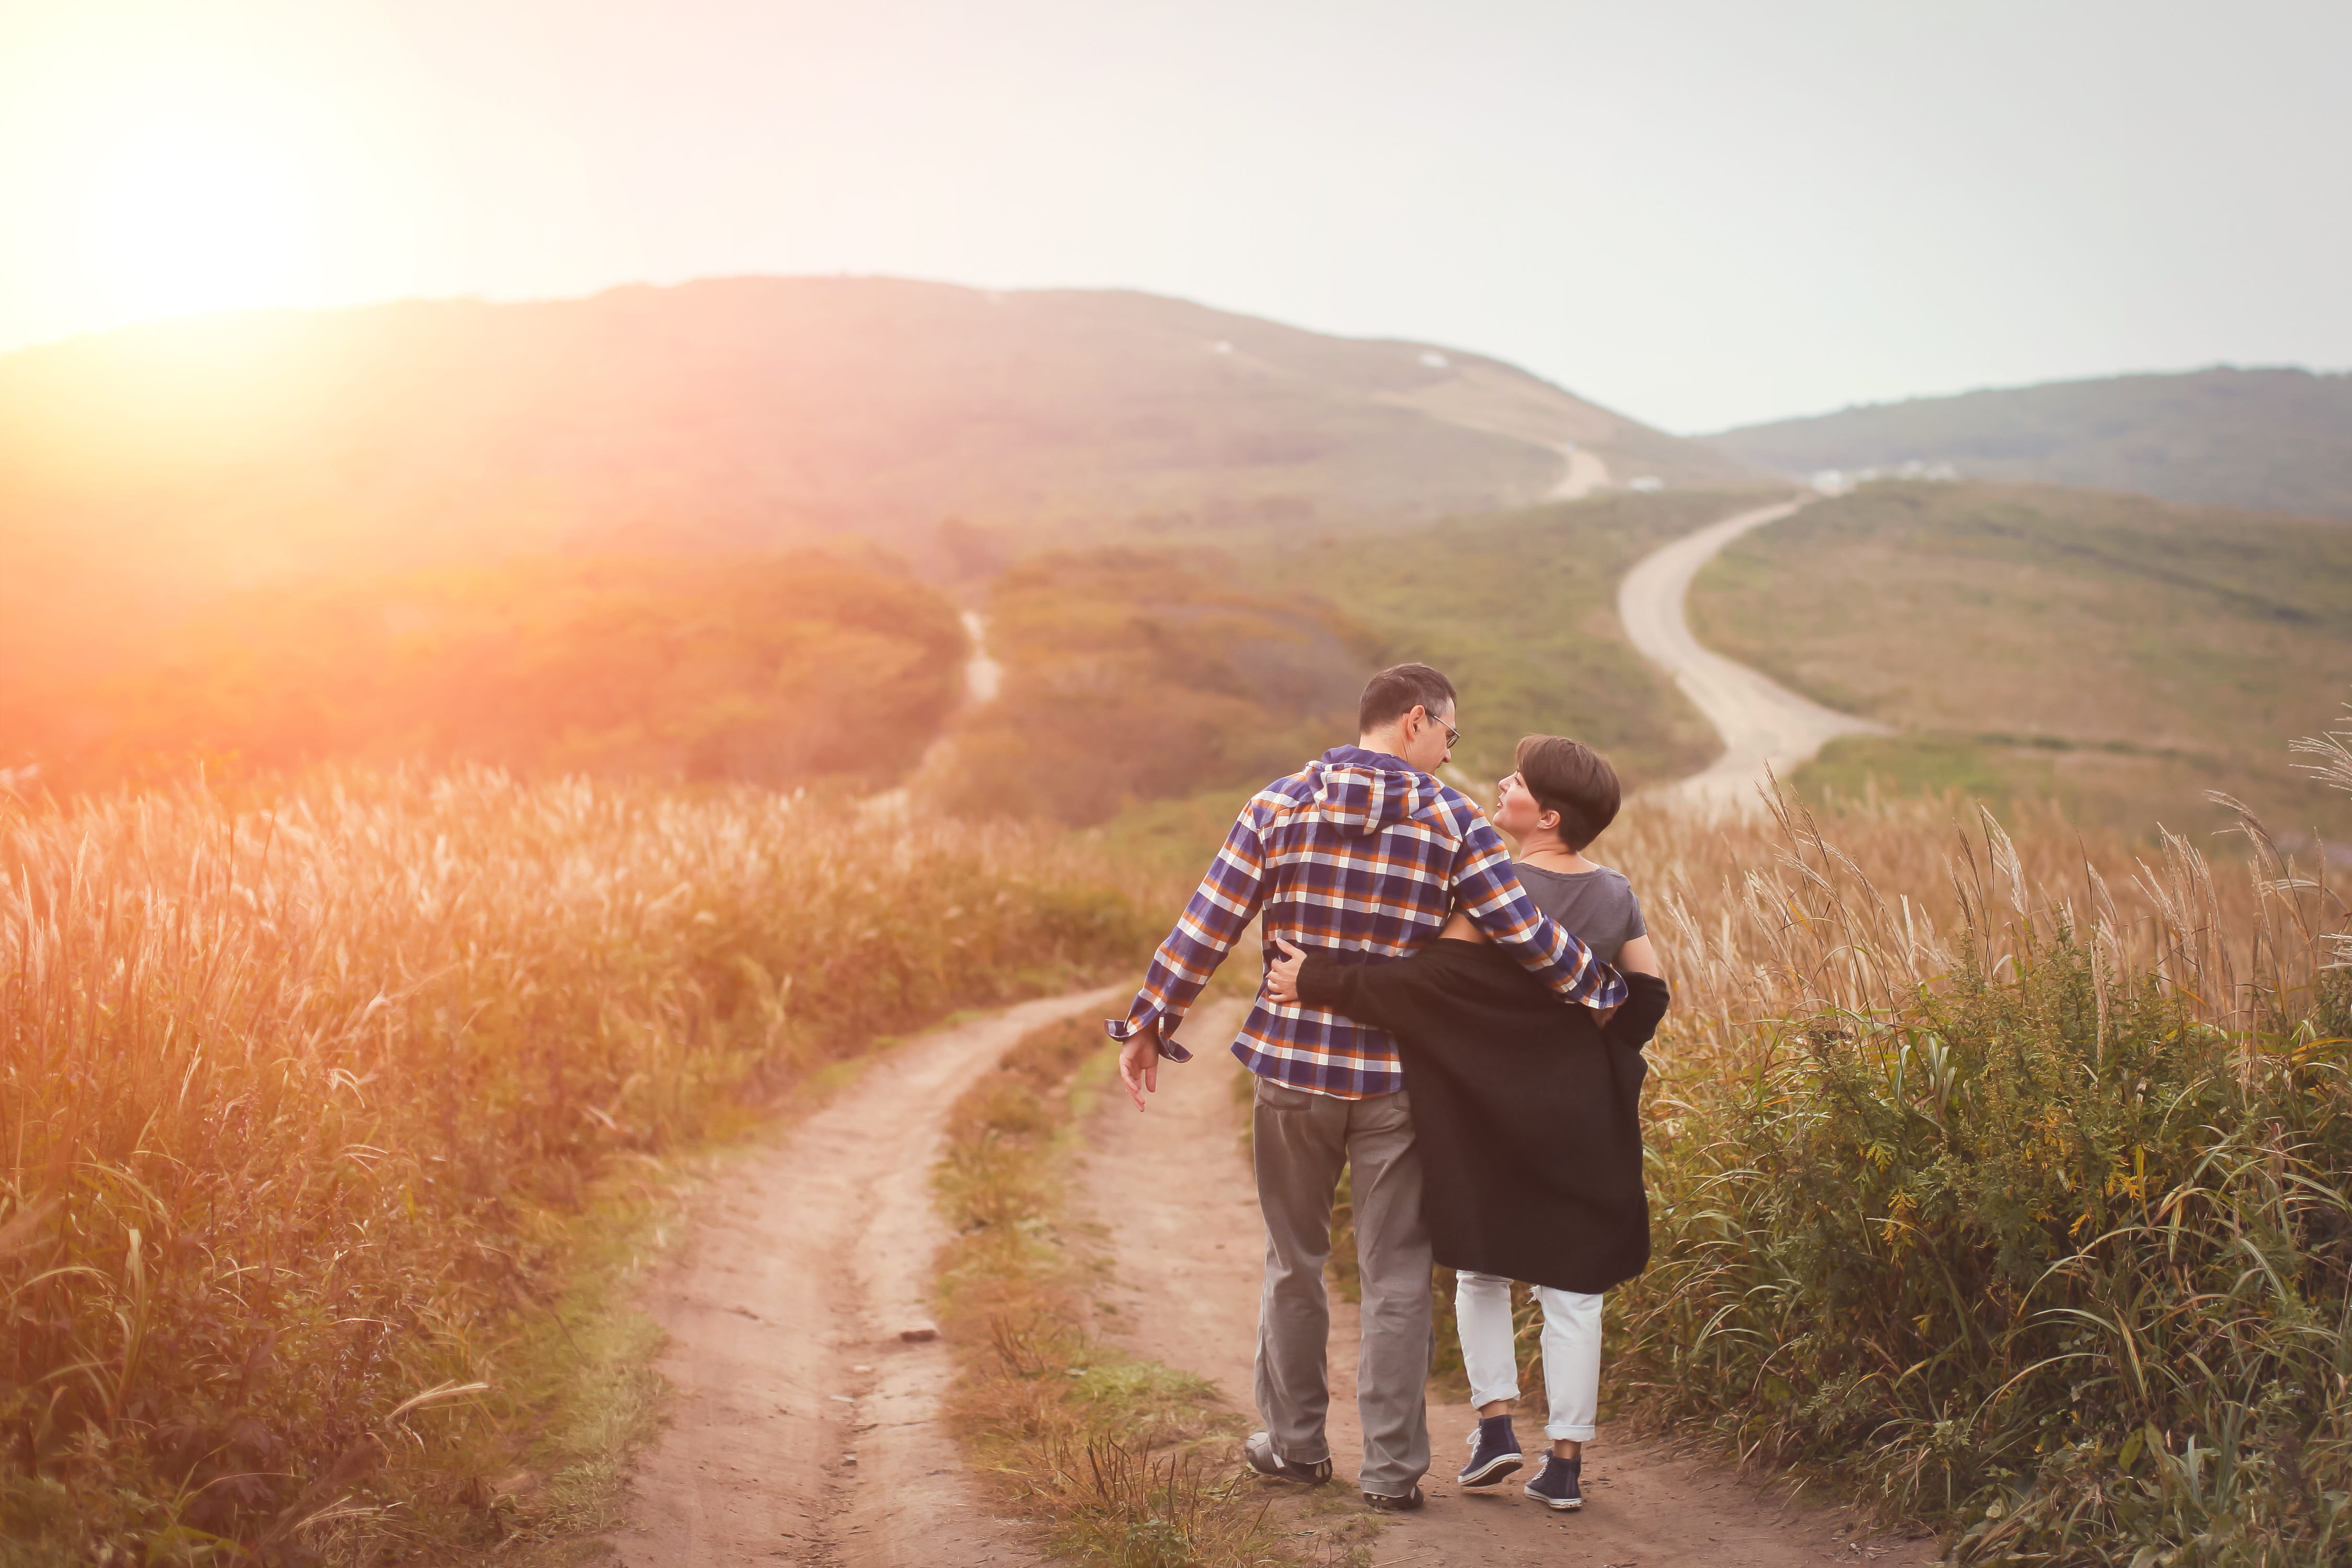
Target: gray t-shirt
{"points": [[1598, 905]]}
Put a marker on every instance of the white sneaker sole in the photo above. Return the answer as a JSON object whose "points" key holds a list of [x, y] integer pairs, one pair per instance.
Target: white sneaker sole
{"points": [[1500, 1468]]}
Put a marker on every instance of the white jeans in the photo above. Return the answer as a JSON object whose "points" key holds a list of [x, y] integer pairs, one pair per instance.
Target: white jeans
{"points": [[1571, 1351]]}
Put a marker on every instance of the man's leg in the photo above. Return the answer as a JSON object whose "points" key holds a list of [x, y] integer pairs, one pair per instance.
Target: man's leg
{"points": [[1393, 1254], [1299, 1140]]}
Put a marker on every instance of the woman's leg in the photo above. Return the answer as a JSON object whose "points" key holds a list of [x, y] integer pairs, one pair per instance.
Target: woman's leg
{"points": [[1482, 1309], [1572, 1354]]}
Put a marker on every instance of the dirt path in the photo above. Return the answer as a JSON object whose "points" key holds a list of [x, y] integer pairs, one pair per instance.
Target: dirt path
{"points": [[1586, 473], [783, 1310], [983, 678], [1504, 402], [804, 1431], [1186, 1272], [1763, 724]]}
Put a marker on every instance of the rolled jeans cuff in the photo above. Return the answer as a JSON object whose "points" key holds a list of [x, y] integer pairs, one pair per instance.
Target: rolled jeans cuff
{"points": [[1482, 1397]]}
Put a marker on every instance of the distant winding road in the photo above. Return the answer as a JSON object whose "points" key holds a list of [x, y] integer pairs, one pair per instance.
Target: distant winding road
{"points": [[1766, 728]]}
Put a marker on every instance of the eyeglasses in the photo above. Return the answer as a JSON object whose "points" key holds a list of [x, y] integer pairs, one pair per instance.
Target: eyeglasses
{"points": [[1453, 735]]}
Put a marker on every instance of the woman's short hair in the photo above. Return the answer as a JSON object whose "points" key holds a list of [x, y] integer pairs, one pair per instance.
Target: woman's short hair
{"points": [[1572, 779]]}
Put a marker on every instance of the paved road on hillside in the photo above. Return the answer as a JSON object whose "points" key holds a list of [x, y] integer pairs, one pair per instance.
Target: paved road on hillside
{"points": [[1766, 728]]}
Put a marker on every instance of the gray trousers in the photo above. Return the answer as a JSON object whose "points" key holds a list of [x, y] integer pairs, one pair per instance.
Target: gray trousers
{"points": [[1301, 1141]]}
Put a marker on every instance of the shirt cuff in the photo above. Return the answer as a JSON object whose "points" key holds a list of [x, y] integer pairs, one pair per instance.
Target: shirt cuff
{"points": [[1125, 1028]]}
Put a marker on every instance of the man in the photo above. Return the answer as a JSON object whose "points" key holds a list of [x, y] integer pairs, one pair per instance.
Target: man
{"points": [[1363, 853]]}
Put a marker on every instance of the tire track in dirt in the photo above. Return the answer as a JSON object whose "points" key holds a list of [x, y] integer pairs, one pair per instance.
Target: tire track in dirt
{"points": [[807, 1258], [1173, 1191]]}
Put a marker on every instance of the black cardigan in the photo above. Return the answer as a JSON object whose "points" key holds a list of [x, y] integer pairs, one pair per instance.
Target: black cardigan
{"points": [[1527, 1112]]}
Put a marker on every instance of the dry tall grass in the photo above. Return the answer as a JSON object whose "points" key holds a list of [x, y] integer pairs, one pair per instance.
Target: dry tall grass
{"points": [[298, 1094], [2010, 1178]]}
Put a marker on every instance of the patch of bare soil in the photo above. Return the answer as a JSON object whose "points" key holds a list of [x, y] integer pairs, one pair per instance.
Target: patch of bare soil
{"points": [[805, 1429], [1173, 1191]]}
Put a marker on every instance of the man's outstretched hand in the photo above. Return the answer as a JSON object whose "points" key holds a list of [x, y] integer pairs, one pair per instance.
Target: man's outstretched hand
{"points": [[1139, 1063], [1282, 975]]}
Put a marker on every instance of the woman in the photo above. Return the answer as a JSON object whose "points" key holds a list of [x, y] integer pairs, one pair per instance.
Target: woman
{"points": [[1527, 1112]]}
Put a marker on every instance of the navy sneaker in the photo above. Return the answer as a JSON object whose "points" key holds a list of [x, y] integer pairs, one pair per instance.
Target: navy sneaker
{"points": [[1556, 1486], [1258, 1449], [1493, 1453], [1381, 1502]]}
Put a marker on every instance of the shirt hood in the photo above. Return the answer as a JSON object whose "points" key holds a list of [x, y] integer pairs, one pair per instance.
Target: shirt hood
{"points": [[1361, 792]]}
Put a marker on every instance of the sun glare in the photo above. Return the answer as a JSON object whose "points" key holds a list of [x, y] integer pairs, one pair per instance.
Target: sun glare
{"points": [[189, 217]]}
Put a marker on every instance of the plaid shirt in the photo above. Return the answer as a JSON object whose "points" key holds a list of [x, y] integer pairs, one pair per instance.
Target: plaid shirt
{"points": [[1360, 853]]}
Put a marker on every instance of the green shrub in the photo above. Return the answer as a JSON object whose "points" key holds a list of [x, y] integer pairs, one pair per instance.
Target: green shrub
{"points": [[2039, 1254]]}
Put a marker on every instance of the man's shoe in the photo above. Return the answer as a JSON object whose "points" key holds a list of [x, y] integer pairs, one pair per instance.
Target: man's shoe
{"points": [[1258, 1449], [1493, 1453], [1380, 1502], [1555, 1486]]}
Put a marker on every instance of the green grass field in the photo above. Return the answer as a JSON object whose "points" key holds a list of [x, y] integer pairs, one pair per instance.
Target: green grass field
{"points": [[2117, 654]]}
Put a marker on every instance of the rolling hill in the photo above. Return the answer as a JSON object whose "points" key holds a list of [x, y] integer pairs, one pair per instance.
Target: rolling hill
{"points": [[755, 412], [2272, 440], [2118, 654], [155, 477]]}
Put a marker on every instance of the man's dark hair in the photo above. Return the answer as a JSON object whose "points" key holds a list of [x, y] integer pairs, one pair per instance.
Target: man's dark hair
{"points": [[1396, 691], [1572, 779]]}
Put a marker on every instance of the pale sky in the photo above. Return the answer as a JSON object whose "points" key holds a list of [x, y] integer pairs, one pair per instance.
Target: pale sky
{"points": [[1700, 212]]}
